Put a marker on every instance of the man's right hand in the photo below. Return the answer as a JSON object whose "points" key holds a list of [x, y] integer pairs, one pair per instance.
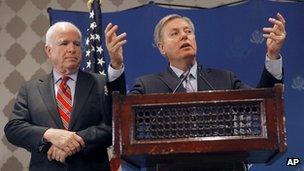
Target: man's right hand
{"points": [[65, 140], [55, 153], [114, 45]]}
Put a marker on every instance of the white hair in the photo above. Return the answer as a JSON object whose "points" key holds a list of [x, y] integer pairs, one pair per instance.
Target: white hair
{"points": [[63, 25]]}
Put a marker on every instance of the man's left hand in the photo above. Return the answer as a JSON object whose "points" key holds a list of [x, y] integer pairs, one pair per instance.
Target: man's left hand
{"points": [[114, 45], [275, 36]]}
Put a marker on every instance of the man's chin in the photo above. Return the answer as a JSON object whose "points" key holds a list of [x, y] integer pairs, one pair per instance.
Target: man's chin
{"points": [[189, 55], [72, 68]]}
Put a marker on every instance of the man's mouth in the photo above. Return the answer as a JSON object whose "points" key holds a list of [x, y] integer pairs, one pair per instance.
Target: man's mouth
{"points": [[72, 58], [185, 45]]}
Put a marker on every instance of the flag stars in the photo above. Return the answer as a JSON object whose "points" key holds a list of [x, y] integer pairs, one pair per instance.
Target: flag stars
{"points": [[102, 73], [97, 37], [93, 60], [89, 64], [91, 14], [100, 61], [92, 48], [92, 37], [87, 41], [88, 53], [93, 25], [99, 49]]}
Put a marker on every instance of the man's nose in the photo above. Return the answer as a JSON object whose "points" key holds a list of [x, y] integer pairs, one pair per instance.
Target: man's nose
{"points": [[184, 35], [71, 48]]}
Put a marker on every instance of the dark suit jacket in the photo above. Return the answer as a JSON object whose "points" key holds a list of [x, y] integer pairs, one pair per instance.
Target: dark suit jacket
{"points": [[35, 111], [208, 79]]}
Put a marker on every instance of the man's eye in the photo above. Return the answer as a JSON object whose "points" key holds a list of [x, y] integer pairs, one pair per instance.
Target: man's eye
{"points": [[76, 43], [189, 31], [173, 34], [64, 43]]}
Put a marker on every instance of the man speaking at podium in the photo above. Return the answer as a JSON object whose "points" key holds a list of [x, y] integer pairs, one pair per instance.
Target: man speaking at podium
{"points": [[174, 36]]}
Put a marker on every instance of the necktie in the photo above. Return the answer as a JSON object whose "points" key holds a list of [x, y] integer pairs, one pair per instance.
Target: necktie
{"points": [[187, 85], [64, 101]]}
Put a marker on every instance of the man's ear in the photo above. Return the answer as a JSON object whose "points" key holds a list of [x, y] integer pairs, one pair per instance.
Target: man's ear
{"points": [[47, 50], [160, 46]]}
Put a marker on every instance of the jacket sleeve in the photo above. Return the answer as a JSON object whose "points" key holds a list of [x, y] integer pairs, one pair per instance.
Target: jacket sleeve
{"points": [[118, 84], [138, 87], [268, 80], [19, 130]]}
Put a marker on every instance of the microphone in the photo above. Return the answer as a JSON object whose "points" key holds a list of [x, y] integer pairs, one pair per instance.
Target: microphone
{"points": [[185, 74], [206, 81]]}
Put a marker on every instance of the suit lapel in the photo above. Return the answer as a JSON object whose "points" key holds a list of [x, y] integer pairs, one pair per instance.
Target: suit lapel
{"points": [[171, 80], [83, 88], [47, 92]]}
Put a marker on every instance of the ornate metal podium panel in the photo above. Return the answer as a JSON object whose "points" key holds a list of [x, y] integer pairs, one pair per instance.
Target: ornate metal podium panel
{"points": [[211, 126]]}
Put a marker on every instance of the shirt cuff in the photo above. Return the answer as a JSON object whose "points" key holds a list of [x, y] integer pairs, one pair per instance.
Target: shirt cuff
{"points": [[44, 146], [113, 74], [274, 67]]}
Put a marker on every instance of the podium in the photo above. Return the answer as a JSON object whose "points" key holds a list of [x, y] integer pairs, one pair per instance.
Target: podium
{"points": [[192, 130]]}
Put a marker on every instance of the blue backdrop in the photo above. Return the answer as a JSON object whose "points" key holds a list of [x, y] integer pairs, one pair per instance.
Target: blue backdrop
{"points": [[228, 37]]}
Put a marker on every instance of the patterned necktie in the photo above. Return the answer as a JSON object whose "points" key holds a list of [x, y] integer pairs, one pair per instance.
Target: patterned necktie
{"points": [[64, 101], [188, 86]]}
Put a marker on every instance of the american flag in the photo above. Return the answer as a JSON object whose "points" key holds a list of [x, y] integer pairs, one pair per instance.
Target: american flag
{"points": [[93, 58]]}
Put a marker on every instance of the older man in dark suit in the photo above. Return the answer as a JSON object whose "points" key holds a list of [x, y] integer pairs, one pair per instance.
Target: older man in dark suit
{"points": [[63, 118], [174, 36]]}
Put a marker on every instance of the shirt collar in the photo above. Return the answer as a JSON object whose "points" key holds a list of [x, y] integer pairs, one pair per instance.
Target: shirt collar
{"points": [[179, 72], [57, 76]]}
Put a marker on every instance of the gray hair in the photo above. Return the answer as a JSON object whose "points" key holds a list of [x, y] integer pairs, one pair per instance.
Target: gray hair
{"points": [[52, 30], [160, 25]]}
